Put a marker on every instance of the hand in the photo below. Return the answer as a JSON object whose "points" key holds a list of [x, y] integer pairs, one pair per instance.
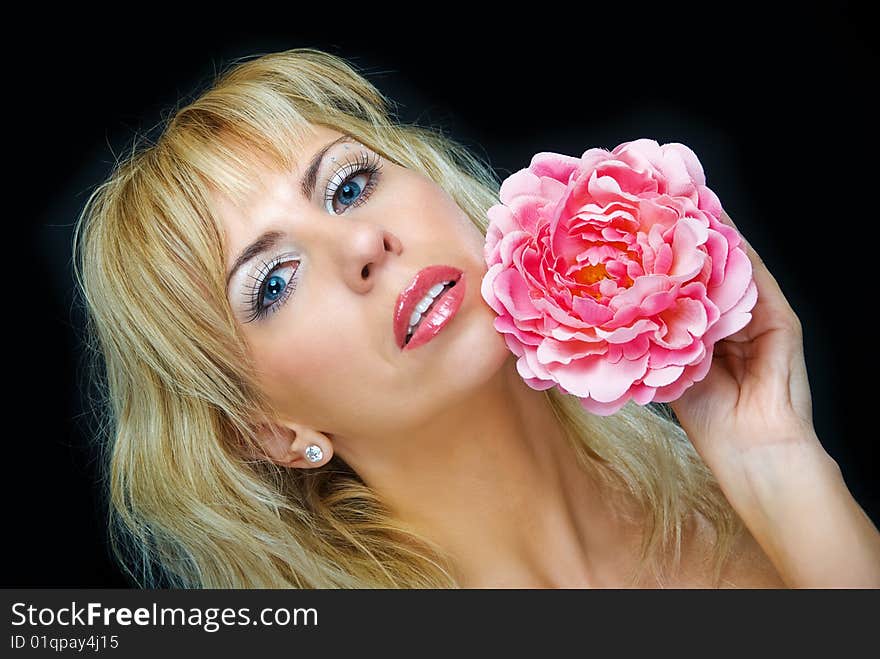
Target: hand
{"points": [[751, 420], [756, 394]]}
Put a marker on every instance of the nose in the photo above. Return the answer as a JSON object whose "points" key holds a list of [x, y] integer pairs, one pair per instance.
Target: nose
{"points": [[366, 247]]}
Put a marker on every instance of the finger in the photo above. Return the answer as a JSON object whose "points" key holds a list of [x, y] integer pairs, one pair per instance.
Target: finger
{"points": [[770, 295], [753, 254]]}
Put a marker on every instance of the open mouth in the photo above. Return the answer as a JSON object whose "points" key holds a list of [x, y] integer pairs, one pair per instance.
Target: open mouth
{"points": [[431, 303], [426, 304]]}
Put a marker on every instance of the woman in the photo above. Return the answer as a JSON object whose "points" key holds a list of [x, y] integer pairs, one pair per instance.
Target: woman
{"points": [[270, 423]]}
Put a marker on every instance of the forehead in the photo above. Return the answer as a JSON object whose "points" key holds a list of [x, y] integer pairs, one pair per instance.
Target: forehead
{"points": [[268, 182]]}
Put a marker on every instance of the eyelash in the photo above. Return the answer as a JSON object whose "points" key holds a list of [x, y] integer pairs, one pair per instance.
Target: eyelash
{"points": [[365, 164], [256, 293]]}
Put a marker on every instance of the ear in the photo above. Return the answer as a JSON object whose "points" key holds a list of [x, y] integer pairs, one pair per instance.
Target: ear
{"points": [[293, 445]]}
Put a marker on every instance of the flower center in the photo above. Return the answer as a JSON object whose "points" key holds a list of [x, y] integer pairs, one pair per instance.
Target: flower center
{"points": [[590, 274]]}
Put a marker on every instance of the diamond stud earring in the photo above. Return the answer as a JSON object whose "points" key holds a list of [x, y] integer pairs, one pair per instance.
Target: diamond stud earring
{"points": [[314, 453]]}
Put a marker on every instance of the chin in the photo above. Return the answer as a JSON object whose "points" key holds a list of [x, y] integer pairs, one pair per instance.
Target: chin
{"points": [[478, 353]]}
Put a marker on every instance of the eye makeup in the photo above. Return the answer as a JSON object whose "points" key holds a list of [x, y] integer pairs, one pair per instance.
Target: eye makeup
{"points": [[275, 279]]}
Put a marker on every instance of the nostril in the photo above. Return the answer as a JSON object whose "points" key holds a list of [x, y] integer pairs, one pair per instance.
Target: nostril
{"points": [[365, 272]]}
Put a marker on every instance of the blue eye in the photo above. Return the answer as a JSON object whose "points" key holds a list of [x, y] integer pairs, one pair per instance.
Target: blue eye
{"points": [[273, 285], [344, 188], [270, 292], [350, 189]]}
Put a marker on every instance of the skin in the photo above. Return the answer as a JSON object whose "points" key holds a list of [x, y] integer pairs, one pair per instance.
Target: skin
{"points": [[448, 434], [451, 438], [751, 421]]}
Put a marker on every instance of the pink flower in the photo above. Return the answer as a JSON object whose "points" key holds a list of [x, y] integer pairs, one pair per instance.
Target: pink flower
{"points": [[612, 275]]}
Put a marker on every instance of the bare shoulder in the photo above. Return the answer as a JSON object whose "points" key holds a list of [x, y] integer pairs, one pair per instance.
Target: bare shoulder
{"points": [[748, 566]]}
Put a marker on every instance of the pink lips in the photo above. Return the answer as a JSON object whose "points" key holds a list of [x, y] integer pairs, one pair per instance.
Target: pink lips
{"points": [[443, 309]]}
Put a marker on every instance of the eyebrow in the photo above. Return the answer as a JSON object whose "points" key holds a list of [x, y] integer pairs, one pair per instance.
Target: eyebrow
{"points": [[269, 239]]}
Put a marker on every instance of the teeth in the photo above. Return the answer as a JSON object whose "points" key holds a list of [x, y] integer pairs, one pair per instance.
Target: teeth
{"points": [[424, 303]]}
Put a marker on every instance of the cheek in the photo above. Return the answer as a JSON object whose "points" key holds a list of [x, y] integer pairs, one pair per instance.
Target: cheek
{"points": [[293, 360], [307, 370], [451, 222]]}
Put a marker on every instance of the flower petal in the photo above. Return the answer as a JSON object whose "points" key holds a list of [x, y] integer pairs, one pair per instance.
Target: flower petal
{"points": [[595, 377], [513, 293], [507, 324], [519, 183], [604, 409], [563, 352], [627, 334], [685, 320], [554, 165], [735, 319], [487, 288], [663, 376], [612, 274], [687, 259], [737, 275]]}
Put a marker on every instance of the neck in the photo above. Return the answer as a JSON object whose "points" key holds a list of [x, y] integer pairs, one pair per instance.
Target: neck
{"points": [[496, 483]]}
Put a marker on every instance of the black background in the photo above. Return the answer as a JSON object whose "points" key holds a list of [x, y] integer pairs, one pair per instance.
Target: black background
{"points": [[775, 105]]}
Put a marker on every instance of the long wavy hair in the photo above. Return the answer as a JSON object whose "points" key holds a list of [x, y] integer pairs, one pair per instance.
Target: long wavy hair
{"points": [[175, 396]]}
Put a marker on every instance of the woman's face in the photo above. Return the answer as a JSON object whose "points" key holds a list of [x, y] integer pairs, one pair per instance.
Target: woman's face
{"points": [[317, 305]]}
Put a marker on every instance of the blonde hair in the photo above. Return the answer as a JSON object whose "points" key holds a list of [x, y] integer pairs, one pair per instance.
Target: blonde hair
{"points": [[178, 402]]}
